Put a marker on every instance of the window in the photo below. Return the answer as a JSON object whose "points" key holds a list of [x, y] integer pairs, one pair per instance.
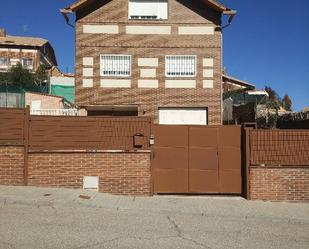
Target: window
{"points": [[27, 63], [180, 66], [3, 62], [148, 9], [116, 65], [14, 62]]}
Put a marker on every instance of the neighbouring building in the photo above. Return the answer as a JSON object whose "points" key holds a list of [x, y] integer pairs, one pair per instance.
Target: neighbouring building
{"points": [[62, 84], [29, 51], [147, 57], [47, 104], [241, 100], [230, 83]]}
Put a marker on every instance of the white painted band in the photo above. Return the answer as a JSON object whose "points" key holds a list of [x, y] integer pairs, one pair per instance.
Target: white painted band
{"points": [[148, 73], [196, 30], [101, 29], [87, 82], [180, 84], [208, 84], [114, 83], [148, 62], [88, 61], [87, 72], [208, 73], [148, 83], [148, 30], [208, 62]]}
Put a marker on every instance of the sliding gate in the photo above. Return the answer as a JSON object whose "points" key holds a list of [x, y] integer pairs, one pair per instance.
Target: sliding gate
{"points": [[197, 159]]}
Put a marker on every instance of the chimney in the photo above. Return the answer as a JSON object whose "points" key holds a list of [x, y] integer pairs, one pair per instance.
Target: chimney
{"points": [[2, 33]]}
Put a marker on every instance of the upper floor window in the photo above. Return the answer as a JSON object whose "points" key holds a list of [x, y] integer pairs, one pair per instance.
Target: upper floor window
{"points": [[27, 63], [148, 9], [180, 66], [14, 61], [4, 62], [116, 65]]}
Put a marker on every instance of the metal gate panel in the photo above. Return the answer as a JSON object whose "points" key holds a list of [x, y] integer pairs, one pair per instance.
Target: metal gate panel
{"points": [[203, 160], [203, 136], [230, 160], [170, 156], [171, 135], [197, 159], [203, 181]]}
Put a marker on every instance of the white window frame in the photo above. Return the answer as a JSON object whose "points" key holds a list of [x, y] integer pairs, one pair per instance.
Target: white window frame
{"points": [[177, 67], [111, 74], [27, 66], [140, 17]]}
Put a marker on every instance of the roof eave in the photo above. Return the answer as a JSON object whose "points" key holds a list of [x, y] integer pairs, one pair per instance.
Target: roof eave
{"points": [[214, 4]]}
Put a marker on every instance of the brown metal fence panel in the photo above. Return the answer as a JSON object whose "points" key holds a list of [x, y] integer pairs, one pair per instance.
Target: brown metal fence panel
{"points": [[87, 133], [279, 147], [12, 126]]}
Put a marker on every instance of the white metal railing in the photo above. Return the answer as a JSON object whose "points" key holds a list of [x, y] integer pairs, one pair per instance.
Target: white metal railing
{"points": [[55, 112]]}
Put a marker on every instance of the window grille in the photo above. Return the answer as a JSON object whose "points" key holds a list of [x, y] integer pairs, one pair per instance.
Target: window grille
{"points": [[116, 65], [180, 66]]}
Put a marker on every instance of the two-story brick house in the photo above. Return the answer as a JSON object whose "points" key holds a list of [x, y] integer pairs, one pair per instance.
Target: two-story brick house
{"points": [[150, 57], [29, 51]]}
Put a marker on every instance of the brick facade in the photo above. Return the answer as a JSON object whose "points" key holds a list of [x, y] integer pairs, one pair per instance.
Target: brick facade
{"points": [[279, 183], [17, 48], [119, 173], [148, 100], [11, 165]]}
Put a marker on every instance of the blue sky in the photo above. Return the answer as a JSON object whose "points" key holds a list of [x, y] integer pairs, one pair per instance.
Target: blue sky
{"points": [[267, 44]]}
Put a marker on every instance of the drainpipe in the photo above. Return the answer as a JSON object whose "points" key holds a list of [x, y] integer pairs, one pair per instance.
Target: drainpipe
{"points": [[65, 12], [231, 14]]}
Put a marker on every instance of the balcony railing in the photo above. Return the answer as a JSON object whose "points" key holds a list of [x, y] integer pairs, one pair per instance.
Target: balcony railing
{"points": [[55, 112]]}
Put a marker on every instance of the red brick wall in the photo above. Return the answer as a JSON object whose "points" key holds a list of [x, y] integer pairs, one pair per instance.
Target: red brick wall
{"points": [[279, 183], [11, 165], [119, 173]]}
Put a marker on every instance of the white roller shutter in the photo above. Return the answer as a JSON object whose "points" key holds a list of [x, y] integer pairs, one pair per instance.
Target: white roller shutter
{"points": [[183, 116]]}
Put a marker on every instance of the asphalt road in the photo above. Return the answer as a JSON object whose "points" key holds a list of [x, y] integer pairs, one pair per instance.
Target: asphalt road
{"points": [[59, 218]]}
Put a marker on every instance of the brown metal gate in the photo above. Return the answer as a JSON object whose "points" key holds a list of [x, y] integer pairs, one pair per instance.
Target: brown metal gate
{"points": [[197, 159]]}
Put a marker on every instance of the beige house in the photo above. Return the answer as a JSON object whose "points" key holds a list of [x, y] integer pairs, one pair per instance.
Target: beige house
{"points": [[47, 104], [29, 51], [148, 57]]}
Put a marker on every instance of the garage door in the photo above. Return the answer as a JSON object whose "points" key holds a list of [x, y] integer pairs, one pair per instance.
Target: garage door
{"points": [[183, 116]]}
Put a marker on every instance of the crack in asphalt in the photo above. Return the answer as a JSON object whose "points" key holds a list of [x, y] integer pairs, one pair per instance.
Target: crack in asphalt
{"points": [[120, 238], [176, 227], [181, 235]]}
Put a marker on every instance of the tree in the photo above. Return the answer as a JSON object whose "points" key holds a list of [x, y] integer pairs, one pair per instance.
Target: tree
{"points": [[3, 79], [19, 76], [273, 101], [41, 75], [287, 102]]}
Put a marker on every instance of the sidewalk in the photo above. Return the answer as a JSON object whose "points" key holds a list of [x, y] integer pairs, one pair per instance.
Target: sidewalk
{"points": [[66, 218]]}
